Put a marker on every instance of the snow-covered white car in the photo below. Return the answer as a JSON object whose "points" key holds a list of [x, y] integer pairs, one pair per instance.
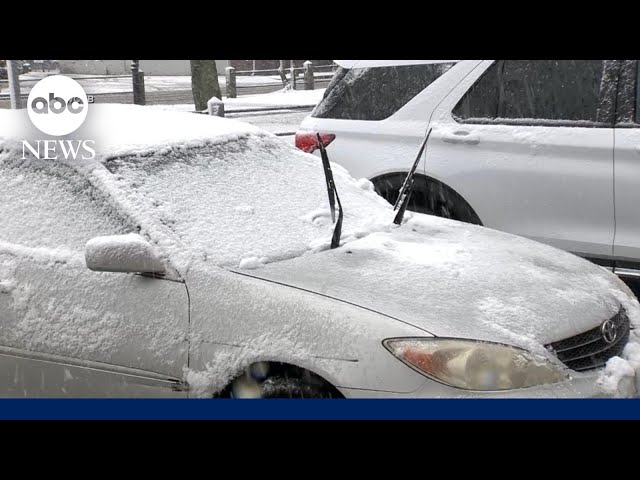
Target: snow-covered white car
{"points": [[191, 257], [546, 149]]}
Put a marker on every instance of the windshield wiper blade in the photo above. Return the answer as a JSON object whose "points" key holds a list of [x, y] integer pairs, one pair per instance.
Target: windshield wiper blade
{"points": [[332, 191], [407, 186]]}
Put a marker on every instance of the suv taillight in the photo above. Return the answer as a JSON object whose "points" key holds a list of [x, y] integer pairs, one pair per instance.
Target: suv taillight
{"points": [[308, 141]]}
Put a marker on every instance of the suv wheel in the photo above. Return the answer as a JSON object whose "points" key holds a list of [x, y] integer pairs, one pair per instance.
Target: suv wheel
{"points": [[429, 196]]}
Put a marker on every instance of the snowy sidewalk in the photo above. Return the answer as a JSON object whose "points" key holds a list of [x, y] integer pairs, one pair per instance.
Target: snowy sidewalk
{"points": [[293, 99]]}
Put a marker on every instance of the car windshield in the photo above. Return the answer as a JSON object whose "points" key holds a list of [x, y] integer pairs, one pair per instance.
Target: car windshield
{"points": [[240, 203]]}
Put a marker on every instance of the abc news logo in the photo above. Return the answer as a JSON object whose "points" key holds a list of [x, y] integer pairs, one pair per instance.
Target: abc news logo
{"points": [[57, 106]]}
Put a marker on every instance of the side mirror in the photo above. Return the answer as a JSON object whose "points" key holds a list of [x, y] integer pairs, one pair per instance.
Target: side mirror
{"points": [[122, 253]]}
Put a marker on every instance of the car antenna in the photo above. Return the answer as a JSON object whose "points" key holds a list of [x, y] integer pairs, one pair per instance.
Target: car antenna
{"points": [[407, 186], [332, 191]]}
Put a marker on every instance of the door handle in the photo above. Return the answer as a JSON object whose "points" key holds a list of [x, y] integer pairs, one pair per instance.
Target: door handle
{"points": [[464, 137]]}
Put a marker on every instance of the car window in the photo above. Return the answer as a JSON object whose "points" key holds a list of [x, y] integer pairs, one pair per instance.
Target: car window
{"points": [[375, 93], [637, 116], [627, 98], [48, 204], [535, 92], [632, 81]]}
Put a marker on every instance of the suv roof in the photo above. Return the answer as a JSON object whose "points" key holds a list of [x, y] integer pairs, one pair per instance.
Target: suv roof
{"points": [[385, 63]]}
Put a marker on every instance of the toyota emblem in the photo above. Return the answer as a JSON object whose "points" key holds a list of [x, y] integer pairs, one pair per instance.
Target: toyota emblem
{"points": [[609, 331]]}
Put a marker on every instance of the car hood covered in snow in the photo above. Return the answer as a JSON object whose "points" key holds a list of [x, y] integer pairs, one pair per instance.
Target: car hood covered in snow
{"points": [[457, 280]]}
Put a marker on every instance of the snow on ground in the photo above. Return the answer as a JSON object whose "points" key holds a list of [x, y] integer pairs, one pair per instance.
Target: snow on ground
{"points": [[282, 98], [278, 122]]}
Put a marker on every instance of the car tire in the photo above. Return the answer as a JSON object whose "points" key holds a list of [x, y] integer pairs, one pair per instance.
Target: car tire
{"points": [[288, 382], [279, 387]]}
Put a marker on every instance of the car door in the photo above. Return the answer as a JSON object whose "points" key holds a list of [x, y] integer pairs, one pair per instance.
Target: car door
{"points": [[529, 145], [627, 171], [66, 330]]}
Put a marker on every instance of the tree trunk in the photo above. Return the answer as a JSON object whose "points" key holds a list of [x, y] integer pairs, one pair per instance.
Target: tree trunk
{"points": [[283, 76], [204, 82]]}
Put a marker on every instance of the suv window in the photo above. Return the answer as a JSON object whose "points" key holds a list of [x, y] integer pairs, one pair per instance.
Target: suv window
{"points": [[627, 100], [637, 116], [375, 93], [535, 92], [48, 204]]}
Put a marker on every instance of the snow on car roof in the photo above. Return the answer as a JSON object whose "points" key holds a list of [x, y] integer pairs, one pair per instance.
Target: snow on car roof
{"points": [[119, 129], [227, 191]]}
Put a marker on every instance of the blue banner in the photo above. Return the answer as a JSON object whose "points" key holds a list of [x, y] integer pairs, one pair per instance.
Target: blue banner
{"points": [[318, 409]]}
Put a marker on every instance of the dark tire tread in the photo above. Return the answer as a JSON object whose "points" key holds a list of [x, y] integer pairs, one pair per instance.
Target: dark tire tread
{"points": [[429, 196]]}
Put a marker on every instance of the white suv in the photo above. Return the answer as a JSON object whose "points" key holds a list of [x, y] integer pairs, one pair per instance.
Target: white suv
{"points": [[547, 149]]}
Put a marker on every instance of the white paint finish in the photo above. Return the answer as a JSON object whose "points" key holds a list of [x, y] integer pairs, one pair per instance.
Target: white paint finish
{"points": [[63, 308], [372, 148], [27, 377], [627, 173], [551, 184], [237, 320]]}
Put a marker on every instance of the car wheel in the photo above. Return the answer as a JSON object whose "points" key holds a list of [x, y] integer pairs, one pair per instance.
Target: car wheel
{"points": [[429, 196], [281, 381]]}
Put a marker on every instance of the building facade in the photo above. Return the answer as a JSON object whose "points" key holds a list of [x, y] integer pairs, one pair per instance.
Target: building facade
{"points": [[123, 67]]}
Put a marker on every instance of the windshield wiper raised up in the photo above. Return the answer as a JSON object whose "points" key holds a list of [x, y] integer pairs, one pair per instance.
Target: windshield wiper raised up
{"points": [[332, 191], [407, 186]]}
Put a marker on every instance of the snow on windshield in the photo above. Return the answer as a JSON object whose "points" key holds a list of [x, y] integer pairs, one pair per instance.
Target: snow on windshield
{"points": [[199, 187], [239, 203]]}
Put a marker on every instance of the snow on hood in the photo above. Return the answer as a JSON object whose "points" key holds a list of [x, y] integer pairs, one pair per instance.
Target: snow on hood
{"points": [[459, 280]]}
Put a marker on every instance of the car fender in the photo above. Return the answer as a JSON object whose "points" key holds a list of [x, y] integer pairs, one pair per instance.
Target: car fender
{"points": [[237, 320]]}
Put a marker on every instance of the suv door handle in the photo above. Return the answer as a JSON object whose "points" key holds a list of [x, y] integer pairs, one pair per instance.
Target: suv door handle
{"points": [[462, 137]]}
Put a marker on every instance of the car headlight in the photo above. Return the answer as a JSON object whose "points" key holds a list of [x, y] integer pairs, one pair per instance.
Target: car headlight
{"points": [[475, 365]]}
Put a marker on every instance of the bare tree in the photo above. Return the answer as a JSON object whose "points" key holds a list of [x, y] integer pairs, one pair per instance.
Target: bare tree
{"points": [[283, 76], [13, 71], [204, 82]]}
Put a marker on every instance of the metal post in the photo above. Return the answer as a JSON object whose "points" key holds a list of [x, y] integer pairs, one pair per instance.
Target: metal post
{"points": [[293, 75], [308, 75], [215, 107], [230, 77], [138, 83], [13, 73]]}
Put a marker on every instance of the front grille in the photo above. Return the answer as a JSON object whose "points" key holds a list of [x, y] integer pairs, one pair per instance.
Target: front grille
{"points": [[589, 350]]}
